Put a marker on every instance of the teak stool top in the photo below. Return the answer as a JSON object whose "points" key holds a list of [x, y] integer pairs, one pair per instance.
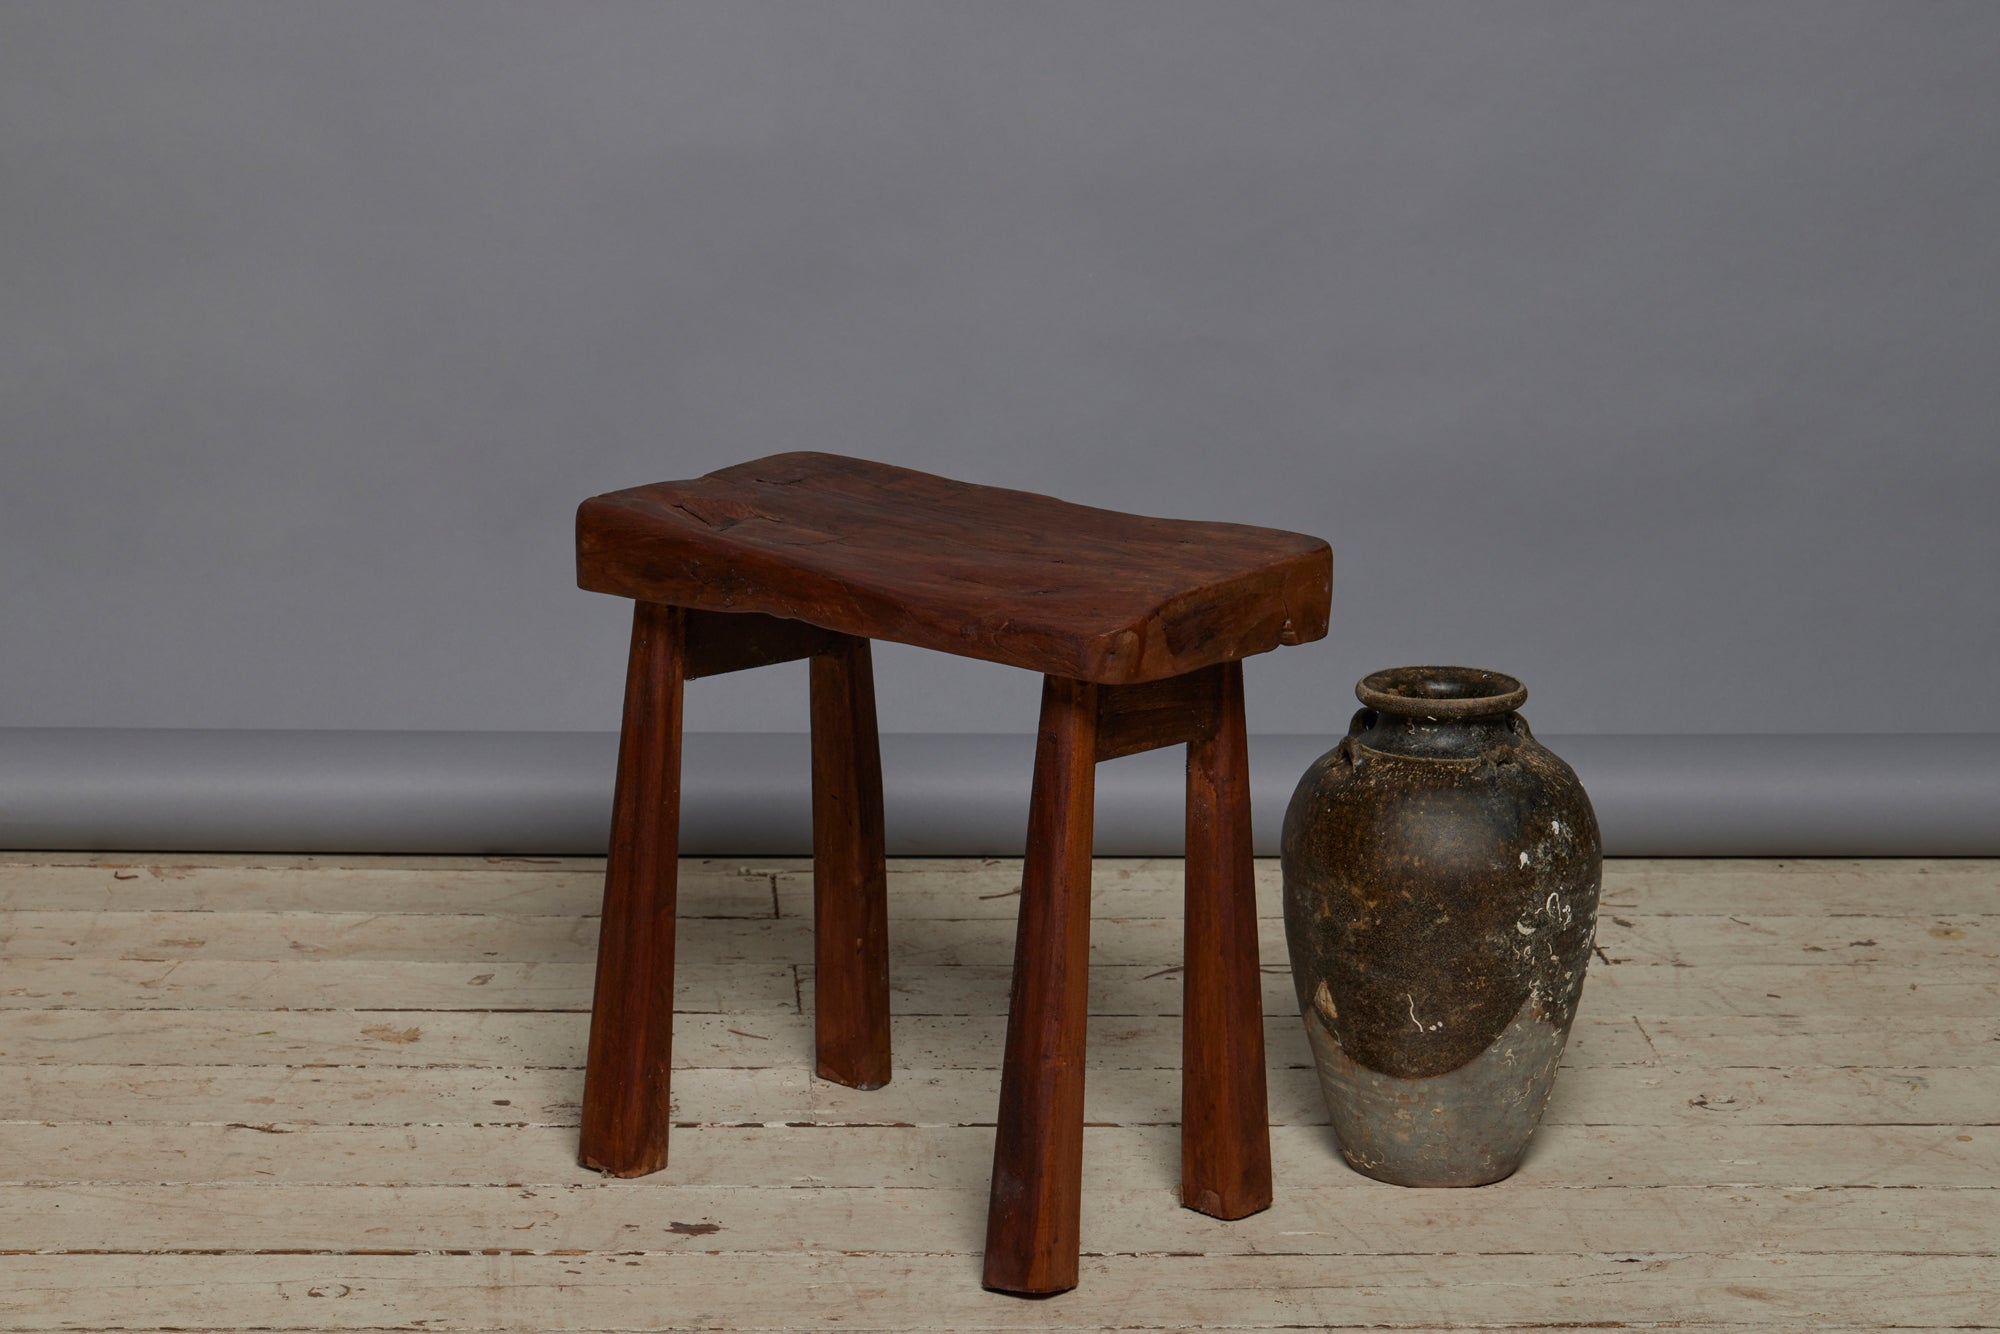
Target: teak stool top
{"points": [[881, 552]]}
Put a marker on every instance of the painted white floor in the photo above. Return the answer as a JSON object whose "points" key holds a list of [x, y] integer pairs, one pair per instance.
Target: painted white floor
{"points": [[263, 1093]]}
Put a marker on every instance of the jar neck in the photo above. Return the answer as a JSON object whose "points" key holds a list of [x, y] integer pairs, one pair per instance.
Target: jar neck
{"points": [[1418, 737]]}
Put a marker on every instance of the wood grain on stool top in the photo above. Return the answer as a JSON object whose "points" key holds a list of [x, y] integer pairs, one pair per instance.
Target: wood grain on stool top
{"points": [[882, 552]]}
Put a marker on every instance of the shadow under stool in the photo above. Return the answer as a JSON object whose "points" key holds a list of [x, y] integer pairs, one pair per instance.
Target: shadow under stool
{"points": [[1138, 626]]}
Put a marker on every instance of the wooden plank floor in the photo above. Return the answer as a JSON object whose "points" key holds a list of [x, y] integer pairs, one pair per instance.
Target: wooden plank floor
{"points": [[341, 1094]]}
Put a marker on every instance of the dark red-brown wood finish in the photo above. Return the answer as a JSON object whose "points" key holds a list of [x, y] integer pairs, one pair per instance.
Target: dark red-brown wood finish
{"points": [[625, 1091], [850, 891], [1225, 1152], [887, 553], [1139, 626], [1033, 1219]]}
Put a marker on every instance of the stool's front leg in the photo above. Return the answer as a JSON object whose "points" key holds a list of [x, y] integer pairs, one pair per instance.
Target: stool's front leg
{"points": [[1033, 1223], [625, 1084], [1225, 1134], [850, 888]]}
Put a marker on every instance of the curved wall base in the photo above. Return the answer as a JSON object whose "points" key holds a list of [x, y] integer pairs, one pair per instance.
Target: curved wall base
{"points": [[947, 795]]}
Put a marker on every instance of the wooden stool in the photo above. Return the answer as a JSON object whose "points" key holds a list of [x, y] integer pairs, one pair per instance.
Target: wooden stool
{"points": [[1138, 625]]}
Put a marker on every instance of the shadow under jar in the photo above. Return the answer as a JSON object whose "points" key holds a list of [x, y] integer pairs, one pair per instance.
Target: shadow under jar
{"points": [[1441, 874]]}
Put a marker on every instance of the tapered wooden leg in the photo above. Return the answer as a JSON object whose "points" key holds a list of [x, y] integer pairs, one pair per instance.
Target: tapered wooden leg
{"points": [[1032, 1226], [850, 890], [625, 1083], [1225, 1122]]}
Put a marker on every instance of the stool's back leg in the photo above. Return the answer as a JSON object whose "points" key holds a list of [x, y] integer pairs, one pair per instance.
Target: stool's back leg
{"points": [[625, 1084], [1033, 1223], [850, 890], [1225, 1122]]}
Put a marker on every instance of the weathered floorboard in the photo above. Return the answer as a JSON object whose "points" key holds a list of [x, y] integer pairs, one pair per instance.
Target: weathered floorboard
{"points": [[305, 1093], [790, 1094], [1692, 941], [525, 1039], [699, 1290], [1334, 1219], [1970, 987], [960, 1157], [1122, 887]]}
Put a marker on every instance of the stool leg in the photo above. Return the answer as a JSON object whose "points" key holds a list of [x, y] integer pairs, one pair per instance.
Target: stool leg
{"points": [[1225, 1122], [850, 890], [1032, 1226], [625, 1083]]}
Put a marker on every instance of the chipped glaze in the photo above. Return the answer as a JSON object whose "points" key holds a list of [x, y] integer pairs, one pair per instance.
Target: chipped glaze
{"points": [[1441, 881]]}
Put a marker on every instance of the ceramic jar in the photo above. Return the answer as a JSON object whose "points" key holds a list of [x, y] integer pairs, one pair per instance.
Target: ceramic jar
{"points": [[1441, 872]]}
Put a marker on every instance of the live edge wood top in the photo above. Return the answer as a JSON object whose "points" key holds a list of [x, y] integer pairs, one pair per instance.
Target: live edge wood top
{"points": [[882, 552]]}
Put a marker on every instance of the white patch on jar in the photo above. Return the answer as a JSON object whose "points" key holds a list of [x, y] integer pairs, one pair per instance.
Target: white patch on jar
{"points": [[1422, 1027]]}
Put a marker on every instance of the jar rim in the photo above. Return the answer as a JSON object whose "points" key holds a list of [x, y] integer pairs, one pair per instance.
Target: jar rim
{"points": [[1441, 692]]}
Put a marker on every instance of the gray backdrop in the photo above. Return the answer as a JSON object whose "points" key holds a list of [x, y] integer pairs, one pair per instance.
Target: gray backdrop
{"points": [[1647, 351]]}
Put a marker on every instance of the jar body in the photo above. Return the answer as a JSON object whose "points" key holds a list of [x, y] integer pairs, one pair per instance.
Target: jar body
{"points": [[1441, 879]]}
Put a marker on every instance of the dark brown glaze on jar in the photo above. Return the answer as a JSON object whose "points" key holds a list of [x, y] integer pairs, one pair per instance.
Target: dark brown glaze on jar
{"points": [[1441, 881]]}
